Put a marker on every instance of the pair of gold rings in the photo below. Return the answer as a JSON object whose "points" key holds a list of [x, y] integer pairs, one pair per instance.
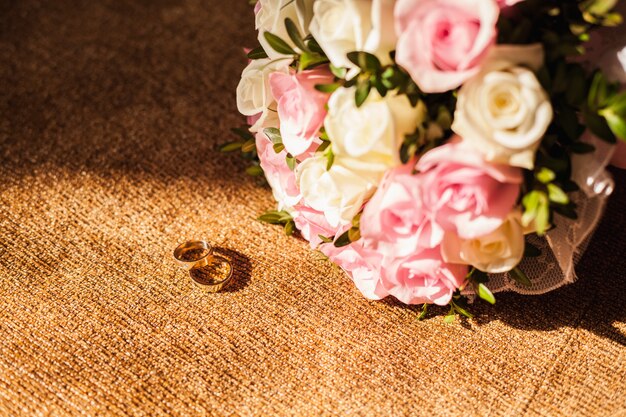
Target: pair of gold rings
{"points": [[207, 271]]}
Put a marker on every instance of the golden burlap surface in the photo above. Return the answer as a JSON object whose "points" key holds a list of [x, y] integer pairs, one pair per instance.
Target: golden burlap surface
{"points": [[110, 113]]}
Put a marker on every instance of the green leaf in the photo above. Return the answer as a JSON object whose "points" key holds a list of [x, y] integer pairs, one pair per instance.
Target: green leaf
{"points": [[531, 206], [364, 60], [295, 36], [362, 91], [556, 195], [257, 53], [270, 217], [616, 122], [249, 146], [338, 71], [462, 311], [545, 175], [598, 91], [330, 156], [485, 293], [254, 170], [314, 46], [537, 209], [278, 44], [599, 126], [311, 59], [273, 134], [567, 118], [422, 314], [379, 86], [290, 227], [278, 147], [577, 89], [354, 234], [327, 88], [325, 239], [520, 277], [325, 144], [231, 147], [598, 7], [291, 161], [275, 217], [343, 239], [582, 147], [449, 318]]}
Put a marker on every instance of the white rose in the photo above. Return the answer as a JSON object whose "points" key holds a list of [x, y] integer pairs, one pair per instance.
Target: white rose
{"points": [[499, 251], [254, 95], [371, 135], [342, 26], [271, 18], [339, 192], [503, 111]]}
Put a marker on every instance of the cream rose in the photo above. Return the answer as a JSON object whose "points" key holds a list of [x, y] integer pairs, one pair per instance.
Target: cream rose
{"points": [[271, 17], [497, 252], [342, 26], [339, 192], [372, 133], [254, 94], [503, 111]]}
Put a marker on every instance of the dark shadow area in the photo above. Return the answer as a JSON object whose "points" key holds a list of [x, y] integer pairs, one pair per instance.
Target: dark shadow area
{"points": [[142, 89], [242, 268]]}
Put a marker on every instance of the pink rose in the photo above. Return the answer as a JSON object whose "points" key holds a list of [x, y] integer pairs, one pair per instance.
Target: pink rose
{"points": [[361, 264], [251, 120], [301, 108], [465, 194], [394, 221], [312, 223], [441, 43], [423, 277], [279, 176]]}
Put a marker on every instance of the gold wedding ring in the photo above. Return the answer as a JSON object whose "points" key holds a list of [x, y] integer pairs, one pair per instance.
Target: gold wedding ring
{"points": [[214, 277], [208, 272], [194, 254]]}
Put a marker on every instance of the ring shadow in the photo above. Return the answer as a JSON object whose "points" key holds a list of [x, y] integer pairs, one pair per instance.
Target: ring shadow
{"points": [[242, 268]]}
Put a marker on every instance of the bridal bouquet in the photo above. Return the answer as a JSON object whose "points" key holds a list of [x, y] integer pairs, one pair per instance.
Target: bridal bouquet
{"points": [[434, 149]]}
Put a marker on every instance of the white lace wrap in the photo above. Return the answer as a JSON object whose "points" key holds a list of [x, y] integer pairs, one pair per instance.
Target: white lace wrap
{"points": [[564, 245]]}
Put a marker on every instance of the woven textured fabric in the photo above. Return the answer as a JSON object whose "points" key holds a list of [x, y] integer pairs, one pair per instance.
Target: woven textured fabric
{"points": [[110, 116]]}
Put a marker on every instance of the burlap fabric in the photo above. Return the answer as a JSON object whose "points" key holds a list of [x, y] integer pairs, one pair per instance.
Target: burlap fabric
{"points": [[110, 114]]}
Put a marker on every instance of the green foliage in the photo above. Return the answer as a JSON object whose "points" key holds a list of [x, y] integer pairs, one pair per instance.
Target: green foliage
{"points": [[279, 217], [351, 235], [422, 314], [536, 209], [520, 277], [273, 134], [257, 53], [484, 293], [458, 305], [478, 279], [246, 145], [279, 45], [295, 36]]}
